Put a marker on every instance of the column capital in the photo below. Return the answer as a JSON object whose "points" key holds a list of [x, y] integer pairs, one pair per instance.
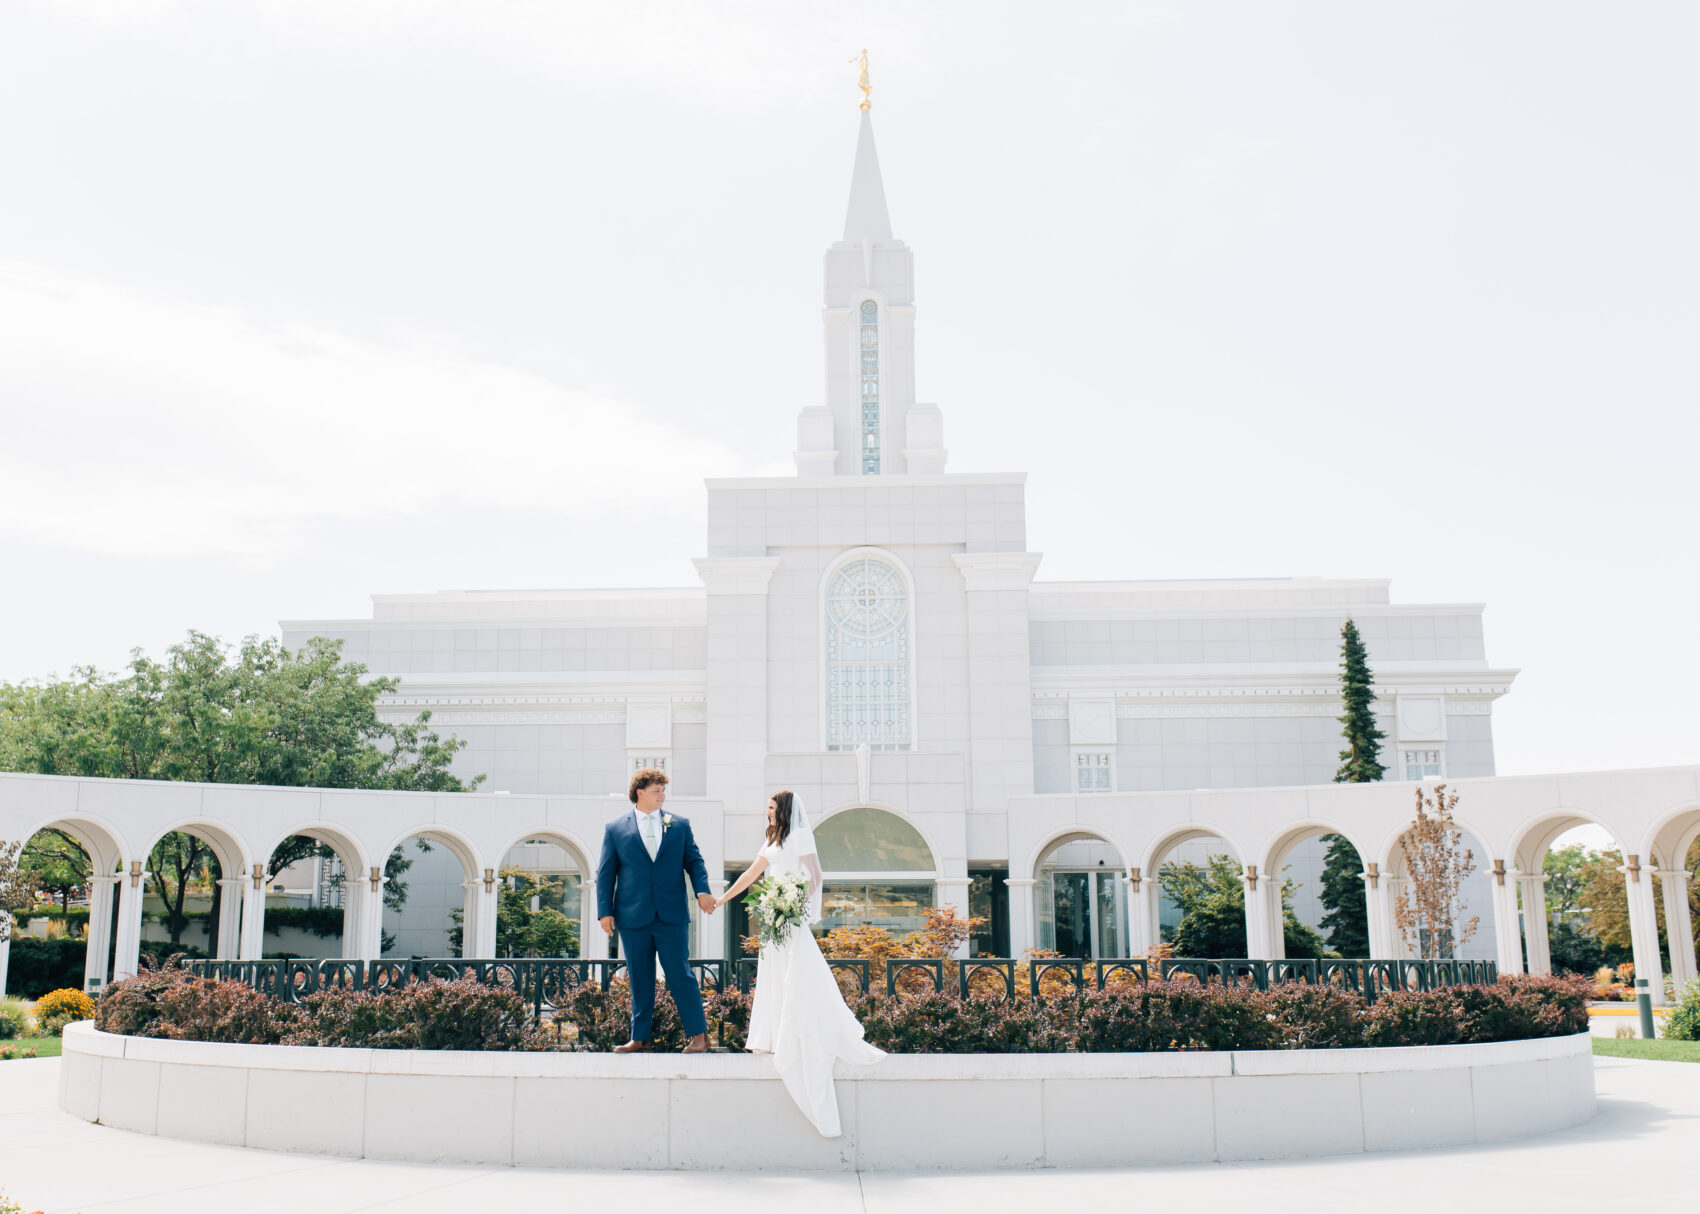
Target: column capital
{"points": [[736, 574], [1029, 881], [953, 880], [234, 880], [1676, 874], [105, 878]]}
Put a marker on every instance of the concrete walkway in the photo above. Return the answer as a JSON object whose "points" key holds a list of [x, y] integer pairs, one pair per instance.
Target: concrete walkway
{"points": [[1647, 1129]]}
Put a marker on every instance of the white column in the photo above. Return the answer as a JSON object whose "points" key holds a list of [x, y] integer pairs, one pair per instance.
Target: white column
{"points": [[1022, 927], [1258, 942], [230, 916], [1679, 926], [1644, 927], [128, 948], [1507, 931], [100, 931], [1378, 916], [353, 892], [369, 925], [953, 892], [252, 944], [592, 940], [1140, 938], [1533, 887], [478, 921]]}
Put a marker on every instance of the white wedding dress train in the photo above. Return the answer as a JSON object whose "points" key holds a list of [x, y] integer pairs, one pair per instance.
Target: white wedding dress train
{"points": [[799, 1015]]}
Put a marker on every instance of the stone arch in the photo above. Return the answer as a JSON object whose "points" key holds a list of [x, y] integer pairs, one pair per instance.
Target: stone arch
{"points": [[1150, 885], [1673, 840], [358, 937], [1489, 941], [591, 941], [231, 852], [461, 851], [1081, 900], [1272, 862], [106, 848]]}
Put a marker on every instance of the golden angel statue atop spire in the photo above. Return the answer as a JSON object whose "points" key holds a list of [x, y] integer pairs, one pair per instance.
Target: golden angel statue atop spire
{"points": [[862, 80]]}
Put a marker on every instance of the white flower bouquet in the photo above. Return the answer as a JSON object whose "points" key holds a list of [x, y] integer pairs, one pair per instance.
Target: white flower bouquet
{"points": [[779, 902]]}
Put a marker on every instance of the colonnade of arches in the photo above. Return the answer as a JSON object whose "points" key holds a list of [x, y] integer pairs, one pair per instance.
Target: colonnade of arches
{"points": [[117, 888], [1085, 894]]}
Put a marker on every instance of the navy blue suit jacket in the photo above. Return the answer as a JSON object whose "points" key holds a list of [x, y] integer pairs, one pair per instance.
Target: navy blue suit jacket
{"points": [[637, 890]]}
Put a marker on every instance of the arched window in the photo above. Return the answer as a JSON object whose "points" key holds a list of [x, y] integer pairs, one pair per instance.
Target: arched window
{"points": [[868, 840], [878, 869], [867, 656], [870, 333]]}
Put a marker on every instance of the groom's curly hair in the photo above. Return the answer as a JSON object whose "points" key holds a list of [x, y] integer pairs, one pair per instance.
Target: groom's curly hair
{"points": [[643, 779]]}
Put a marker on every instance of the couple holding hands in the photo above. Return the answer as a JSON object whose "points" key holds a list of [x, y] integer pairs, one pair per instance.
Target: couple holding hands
{"points": [[798, 1015]]}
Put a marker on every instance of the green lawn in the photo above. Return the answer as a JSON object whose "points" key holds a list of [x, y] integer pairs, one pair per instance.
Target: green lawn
{"points": [[44, 1047], [1658, 1050]]}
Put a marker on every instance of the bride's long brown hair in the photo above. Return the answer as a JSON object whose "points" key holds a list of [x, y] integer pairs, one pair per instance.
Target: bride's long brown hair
{"points": [[780, 827]]}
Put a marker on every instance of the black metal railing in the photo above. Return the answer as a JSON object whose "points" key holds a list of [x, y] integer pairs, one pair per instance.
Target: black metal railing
{"points": [[546, 982]]}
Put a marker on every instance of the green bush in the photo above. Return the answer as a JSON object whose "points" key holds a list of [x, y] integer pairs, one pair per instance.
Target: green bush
{"points": [[39, 966], [1683, 1023], [76, 918]]}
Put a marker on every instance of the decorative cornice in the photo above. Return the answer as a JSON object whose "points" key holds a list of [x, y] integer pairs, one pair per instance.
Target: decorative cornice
{"points": [[998, 570], [736, 574]]}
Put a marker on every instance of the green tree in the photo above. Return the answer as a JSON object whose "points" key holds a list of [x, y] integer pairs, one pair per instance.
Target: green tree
{"points": [[1345, 915], [1211, 897], [57, 863], [261, 715], [1566, 870], [1361, 760], [521, 931]]}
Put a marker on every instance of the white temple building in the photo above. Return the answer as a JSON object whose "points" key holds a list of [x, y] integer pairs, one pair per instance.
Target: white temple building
{"points": [[874, 633]]}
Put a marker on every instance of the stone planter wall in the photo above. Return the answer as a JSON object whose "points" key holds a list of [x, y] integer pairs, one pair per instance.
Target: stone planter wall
{"points": [[729, 1111]]}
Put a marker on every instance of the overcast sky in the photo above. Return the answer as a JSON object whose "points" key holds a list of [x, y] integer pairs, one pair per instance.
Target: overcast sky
{"points": [[304, 301]]}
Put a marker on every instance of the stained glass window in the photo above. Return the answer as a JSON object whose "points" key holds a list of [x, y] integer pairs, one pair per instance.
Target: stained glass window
{"points": [[867, 656], [870, 387]]}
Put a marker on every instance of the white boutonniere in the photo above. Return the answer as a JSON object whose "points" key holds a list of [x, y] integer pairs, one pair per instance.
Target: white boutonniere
{"points": [[666, 821]]}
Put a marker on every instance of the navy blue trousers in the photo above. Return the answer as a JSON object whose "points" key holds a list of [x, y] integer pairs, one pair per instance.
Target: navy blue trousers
{"points": [[671, 942]]}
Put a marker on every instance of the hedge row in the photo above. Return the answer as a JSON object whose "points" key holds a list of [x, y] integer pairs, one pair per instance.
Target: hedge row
{"points": [[38, 966], [1159, 1016]]}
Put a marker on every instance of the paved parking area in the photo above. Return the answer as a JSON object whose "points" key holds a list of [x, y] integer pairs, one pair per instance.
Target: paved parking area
{"points": [[1647, 1129]]}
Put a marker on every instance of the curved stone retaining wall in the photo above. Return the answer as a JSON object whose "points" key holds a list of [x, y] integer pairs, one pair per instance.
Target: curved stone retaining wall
{"points": [[907, 1112]]}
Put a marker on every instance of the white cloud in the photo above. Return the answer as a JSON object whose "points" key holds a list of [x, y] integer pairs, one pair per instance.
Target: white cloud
{"points": [[139, 423]]}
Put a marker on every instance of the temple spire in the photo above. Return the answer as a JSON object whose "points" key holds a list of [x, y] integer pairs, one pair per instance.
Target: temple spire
{"points": [[867, 215]]}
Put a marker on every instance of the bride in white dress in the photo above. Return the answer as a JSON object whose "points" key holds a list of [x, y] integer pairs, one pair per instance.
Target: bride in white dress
{"points": [[799, 1015]]}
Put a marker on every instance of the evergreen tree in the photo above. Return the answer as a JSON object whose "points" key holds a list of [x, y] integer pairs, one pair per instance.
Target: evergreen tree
{"points": [[1346, 919], [1361, 760]]}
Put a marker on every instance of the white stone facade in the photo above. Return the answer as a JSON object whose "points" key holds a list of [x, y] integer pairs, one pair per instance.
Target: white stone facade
{"points": [[871, 633], [1012, 688]]}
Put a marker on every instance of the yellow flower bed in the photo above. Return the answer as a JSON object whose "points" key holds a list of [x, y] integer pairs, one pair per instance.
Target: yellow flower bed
{"points": [[66, 999]]}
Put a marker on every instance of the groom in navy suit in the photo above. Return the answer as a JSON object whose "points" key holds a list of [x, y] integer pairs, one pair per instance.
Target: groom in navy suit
{"points": [[640, 887]]}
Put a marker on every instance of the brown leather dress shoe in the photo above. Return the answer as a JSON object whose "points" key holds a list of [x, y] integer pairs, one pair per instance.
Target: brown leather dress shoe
{"points": [[632, 1047], [697, 1044]]}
